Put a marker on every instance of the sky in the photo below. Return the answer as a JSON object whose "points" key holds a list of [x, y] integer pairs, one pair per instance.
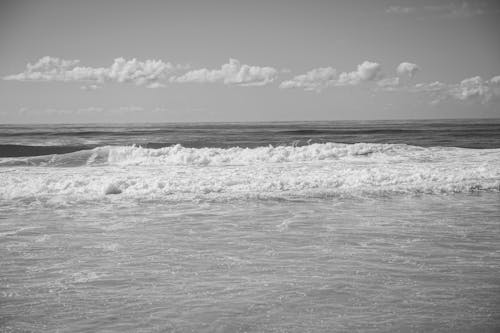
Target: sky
{"points": [[73, 61]]}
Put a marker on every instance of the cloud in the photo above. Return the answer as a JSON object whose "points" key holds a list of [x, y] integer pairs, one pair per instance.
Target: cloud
{"points": [[389, 83], [232, 73], [455, 10], [156, 74], [407, 68], [399, 10], [435, 86], [314, 80], [451, 9], [395, 83], [319, 78], [473, 89], [90, 87], [48, 69], [147, 73], [495, 80], [367, 71]]}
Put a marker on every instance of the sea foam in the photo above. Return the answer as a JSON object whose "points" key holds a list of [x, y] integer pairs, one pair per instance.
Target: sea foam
{"points": [[177, 173], [179, 155]]}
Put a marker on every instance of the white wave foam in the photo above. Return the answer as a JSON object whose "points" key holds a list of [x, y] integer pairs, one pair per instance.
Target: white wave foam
{"points": [[178, 155], [177, 173]]}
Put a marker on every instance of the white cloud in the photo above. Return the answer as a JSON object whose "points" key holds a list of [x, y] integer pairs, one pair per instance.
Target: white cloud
{"points": [[156, 73], [89, 87], [232, 73], [47, 69], [314, 80], [389, 83], [399, 10], [468, 90], [367, 71], [495, 80], [320, 78], [451, 9], [407, 68], [474, 88], [435, 86], [147, 73], [458, 10]]}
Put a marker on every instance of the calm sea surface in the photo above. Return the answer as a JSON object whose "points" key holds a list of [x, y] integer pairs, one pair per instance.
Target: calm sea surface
{"points": [[272, 227]]}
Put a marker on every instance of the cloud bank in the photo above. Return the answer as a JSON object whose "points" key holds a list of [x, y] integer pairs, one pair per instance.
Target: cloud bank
{"points": [[318, 79], [157, 74], [314, 80], [451, 9], [147, 73], [232, 73], [473, 89]]}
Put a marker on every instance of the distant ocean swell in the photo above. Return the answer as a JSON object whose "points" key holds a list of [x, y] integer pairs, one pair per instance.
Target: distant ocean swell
{"points": [[177, 173]]}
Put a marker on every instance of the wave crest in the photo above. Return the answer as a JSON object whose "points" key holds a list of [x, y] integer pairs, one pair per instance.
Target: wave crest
{"points": [[179, 155], [177, 173]]}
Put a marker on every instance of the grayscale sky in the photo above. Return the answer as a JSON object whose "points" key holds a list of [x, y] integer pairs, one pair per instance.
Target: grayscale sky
{"points": [[130, 61]]}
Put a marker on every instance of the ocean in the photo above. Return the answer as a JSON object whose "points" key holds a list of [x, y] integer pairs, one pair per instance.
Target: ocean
{"points": [[369, 226]]}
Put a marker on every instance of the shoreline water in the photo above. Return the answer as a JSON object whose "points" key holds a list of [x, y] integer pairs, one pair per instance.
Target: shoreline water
{"points": [[257, 233], [374, 264]]}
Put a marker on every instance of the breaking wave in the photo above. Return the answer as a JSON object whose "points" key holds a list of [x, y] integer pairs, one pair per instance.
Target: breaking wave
{"points": [[177, 173], [179, 155]]}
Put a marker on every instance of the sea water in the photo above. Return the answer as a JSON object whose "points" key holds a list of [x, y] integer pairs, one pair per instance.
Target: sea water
{"points": [[275, 227]]}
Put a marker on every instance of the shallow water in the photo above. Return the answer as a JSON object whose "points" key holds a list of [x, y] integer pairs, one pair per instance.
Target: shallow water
{"points": [[424, 263]]}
